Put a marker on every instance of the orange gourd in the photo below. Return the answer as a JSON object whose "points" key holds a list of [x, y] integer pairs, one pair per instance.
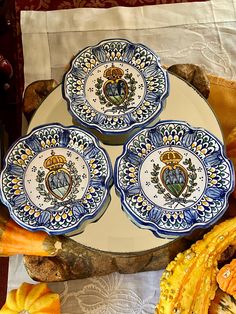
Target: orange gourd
{"points": [[32, 299], [226, 278], [17, 240]]}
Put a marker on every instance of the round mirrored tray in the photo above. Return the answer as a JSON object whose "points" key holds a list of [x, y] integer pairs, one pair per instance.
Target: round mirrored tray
{"points": [[114, 232]]}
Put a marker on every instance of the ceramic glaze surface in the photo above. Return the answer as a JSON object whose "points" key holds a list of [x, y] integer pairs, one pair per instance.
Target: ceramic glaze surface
{"points": [[173, 178], [56, 179], [115, 86], [63, 181], [124, 236], [170, 180], [111, 94]]}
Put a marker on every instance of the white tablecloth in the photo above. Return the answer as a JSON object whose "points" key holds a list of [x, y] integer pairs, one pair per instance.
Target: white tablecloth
{"points": [[113, 294], [203, 33]]}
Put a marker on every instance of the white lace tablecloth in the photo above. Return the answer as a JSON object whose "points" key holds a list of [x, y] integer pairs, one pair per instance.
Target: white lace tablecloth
{"points": [[203, 33], [112, 294]]}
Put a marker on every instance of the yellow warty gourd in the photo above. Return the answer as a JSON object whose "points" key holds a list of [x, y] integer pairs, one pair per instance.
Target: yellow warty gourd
{"points": [[189, 282]]}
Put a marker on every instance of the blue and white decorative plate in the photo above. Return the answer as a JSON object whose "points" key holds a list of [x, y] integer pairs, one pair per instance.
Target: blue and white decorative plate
{"points": [[56, 179], [173, 178], [115, 86]]}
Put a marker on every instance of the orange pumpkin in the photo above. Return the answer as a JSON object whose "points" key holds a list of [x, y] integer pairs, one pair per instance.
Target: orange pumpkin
{"points": [[223, 303], [226, 278], [231, 150], [32, 299]]}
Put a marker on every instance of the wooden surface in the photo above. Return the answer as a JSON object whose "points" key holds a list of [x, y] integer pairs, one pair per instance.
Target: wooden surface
{"points": [[76, 260]]}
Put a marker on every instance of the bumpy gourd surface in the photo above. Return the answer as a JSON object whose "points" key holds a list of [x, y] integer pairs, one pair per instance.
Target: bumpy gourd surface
{"points": [[189, 282]]}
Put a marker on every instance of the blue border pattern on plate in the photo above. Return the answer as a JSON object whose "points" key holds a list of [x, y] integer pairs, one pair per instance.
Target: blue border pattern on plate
{"points": [[162, 220], [70, 214], [138, 56]]}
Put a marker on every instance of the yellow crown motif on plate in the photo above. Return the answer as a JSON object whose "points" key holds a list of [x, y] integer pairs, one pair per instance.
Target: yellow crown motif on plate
{"points": [[113, 73], [171, 157], [54, 162]]}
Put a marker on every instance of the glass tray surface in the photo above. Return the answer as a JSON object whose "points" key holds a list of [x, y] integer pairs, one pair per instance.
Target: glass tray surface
{"points": [[114, 232]]}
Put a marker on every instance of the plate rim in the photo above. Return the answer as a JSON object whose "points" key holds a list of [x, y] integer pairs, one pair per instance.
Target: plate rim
{"points": [[151, 226], [134, 126], [82, 223]]}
